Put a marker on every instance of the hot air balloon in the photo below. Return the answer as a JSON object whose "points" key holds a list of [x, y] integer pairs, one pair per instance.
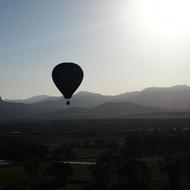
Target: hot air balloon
{"points": [[67, 77]]}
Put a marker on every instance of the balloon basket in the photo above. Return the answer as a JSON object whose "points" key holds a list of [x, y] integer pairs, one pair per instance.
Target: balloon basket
{"points": [[68, 102]]}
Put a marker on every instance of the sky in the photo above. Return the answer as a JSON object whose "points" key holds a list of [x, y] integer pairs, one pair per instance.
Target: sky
{"points": [[121, 45]]}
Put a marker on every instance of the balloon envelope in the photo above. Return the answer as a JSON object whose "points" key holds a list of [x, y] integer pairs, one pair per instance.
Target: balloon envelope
{"points": [[67, 77]]}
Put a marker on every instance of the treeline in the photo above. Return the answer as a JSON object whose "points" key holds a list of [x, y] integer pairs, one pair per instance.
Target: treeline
{"points": [[124, 168], [144, 144], [142, 160]]}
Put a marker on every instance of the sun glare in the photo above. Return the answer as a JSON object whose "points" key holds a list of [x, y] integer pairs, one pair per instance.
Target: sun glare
{"points": [[168, 18]]}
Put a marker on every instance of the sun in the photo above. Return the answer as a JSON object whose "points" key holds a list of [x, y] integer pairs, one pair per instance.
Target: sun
{"points": [[168, 18]]}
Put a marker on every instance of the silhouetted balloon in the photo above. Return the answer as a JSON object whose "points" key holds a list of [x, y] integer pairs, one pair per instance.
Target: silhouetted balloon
{"points": [[67, 77]]}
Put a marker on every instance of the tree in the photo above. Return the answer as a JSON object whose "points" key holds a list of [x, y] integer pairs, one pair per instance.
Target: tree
{"points": [[60, 171], [62, 153], [172, 165], [131, 173], [102, 170], [32, 169]]}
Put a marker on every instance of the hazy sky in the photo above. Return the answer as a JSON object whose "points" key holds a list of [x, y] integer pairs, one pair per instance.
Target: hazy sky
{"points": [[122, 45]]}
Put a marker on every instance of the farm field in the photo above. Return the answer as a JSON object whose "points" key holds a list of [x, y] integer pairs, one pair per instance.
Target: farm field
{"points": [[71, 154]]}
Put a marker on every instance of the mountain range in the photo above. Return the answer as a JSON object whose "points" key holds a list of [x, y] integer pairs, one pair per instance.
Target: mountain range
{"points": [[148, 102]]}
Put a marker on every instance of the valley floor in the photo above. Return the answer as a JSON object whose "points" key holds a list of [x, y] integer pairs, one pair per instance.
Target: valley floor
{"points": [[71, 154]]}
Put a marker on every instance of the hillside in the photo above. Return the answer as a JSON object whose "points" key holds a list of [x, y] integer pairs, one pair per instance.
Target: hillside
{"points": [[150, 100]]}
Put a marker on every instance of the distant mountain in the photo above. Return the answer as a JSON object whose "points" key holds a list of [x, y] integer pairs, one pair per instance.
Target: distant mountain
{"points": [[81, 99], [35, 99], [89, 100], [106, 110], [170, 99], [11, 110], [176, 98], [121, 110], [14, 110]]}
